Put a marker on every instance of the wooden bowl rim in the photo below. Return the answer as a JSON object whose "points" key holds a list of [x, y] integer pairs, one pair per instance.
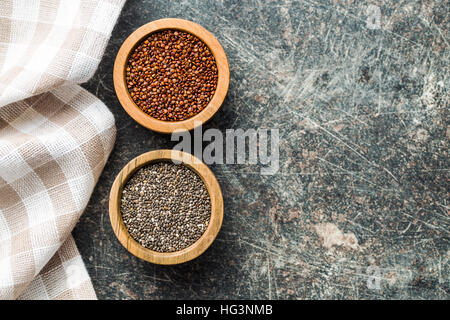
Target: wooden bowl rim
{"points": [[166, 258], [174, 24]]}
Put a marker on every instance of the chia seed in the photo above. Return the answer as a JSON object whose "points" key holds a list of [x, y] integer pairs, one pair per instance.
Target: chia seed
{"points": [[165, 207]]}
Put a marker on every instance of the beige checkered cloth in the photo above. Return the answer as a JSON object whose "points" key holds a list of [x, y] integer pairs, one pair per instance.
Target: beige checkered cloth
{"points": [[55, 138]]}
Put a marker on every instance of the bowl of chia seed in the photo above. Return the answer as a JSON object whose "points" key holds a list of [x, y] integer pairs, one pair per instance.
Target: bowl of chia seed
{"points": [[166, 207]]}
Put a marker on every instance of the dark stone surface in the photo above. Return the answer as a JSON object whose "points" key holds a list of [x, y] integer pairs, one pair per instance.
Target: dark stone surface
{"points": [[363, 120]]}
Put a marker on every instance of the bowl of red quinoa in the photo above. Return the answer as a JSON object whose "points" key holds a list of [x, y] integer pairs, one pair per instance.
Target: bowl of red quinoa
{"points": [[166, 207], [171, 74]]}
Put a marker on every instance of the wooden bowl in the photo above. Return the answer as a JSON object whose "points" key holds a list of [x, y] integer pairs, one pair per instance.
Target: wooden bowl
{"points": [[133, 41], [215, 194]]}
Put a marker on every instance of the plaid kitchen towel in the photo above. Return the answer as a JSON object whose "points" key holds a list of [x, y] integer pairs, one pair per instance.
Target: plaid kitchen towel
{"points": [[55, 138]]}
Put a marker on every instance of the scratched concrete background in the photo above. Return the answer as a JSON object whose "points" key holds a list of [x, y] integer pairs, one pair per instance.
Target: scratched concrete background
{"points": [[360, 206]]}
